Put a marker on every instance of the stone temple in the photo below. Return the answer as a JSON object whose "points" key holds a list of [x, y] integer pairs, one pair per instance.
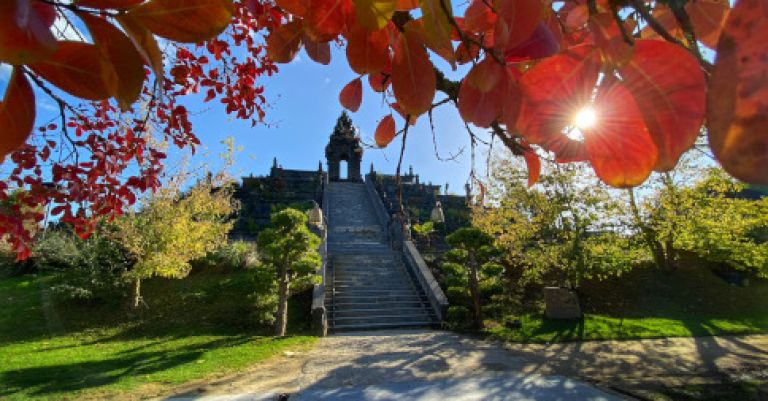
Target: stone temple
{"points": [[260, 195], [373, 275]]}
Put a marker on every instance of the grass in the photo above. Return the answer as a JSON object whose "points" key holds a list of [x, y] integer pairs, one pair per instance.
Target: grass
{"points": [[195, 328], [647, 303]]}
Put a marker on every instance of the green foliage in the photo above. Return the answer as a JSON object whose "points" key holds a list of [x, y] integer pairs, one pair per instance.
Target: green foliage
{"points": [[459, 317], [231, 255], [174, 228], [423, 230], [289, 250]]}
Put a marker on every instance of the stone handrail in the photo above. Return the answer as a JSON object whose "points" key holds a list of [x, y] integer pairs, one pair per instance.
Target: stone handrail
{"points": [[319, 314], [411, 256], [419, 268], [378, 206]]}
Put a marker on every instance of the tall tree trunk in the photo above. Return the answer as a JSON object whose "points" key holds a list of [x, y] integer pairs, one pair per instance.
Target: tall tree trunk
{"points": [[136, 299], [474, 288], [281, 322], [649, 235]]}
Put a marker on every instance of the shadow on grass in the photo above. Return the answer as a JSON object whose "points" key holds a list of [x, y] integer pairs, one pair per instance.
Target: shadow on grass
{"points": [[45, 380]]}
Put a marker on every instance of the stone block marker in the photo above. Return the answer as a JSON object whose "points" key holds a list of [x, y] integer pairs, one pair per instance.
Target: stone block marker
{"points": [[561, 303]]}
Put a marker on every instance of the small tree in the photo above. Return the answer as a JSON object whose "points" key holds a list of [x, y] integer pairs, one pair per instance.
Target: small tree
{"points": [[174, 228], [474, 258], [290, 249]]}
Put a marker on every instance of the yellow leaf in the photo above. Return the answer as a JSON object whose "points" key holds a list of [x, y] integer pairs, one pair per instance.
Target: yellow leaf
{"points": [[374, 14]]}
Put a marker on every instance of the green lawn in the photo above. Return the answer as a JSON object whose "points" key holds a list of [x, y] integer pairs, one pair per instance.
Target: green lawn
{"points": [[195, 328], [648, 303]]}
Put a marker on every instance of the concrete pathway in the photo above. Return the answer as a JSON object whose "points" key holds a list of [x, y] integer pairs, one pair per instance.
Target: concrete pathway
{"points": [[398, 365]]}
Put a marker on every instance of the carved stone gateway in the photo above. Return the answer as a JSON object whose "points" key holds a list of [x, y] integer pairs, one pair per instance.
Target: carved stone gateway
{"points": [[344, 145], [561, 303]]}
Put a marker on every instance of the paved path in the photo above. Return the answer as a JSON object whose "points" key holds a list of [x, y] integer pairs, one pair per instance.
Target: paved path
{"points": [[399, 365], [442, 366]]}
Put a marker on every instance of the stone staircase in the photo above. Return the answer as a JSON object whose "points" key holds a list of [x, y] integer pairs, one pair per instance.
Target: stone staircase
{"points": [[370, 287]]}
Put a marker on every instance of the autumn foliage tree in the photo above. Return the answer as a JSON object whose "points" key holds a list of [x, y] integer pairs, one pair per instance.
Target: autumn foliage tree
{"points": [[619, 84]]}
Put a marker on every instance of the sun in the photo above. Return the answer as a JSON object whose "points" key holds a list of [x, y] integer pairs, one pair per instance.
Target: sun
{"points": [[585, 118]]}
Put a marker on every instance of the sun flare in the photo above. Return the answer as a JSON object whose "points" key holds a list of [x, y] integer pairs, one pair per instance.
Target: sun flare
{"points": [[586, 118]]}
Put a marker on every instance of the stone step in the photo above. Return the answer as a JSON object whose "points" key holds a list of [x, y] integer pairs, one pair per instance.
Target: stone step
{"points": [[366, 292], [336, 328], [341, 299], [378, 320], [337, 305]]}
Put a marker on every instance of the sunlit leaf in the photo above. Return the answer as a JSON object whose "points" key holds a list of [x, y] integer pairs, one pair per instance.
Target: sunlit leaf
{"points": [[352, 95], [517, 20], [533, 163], [284, 43], [407, 5], [436, 15], [413, 76], [614, 50], [511, 99], [478, 107], [708, 19], [479, 17], [669, 87], [188, 21], [144, 42], [120, 60], [486, 74], [385, 131], [295, 7], [374, 14], [17, 113], [620, 148], [738, 94], [75, 68], [543, 43], [25, 36], [380, 81], [367, 52], [319, 52], [326, 19]]}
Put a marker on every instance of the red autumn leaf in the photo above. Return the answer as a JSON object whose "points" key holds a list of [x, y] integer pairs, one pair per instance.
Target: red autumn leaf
{"points": [[708, 19], [614, 50], [75, 68], [319, 52], [367, 52], [25, 36], [385, 131], [352, 95], [464, 55], [479, 17], [17, 113], [285, 41], [478, 107], [517, 20], [619, 146], [188, 21], [120, 60], [543, 43], [380, 81], [105, 4], [326, 19], [486, 74], [295, 7], [738, 94], [669, 87], [577, 17], [533, 163], [554, 90], [144, 42], [413, 76], [396, 107], [407, 5], [442, 49], [511, 99]]}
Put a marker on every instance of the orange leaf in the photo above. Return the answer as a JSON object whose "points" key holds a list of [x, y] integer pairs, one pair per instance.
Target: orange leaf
{"points": [[511, 99], [319, 52], [385, 131], [480, 108], [144, 42], [285, 41], [380, 81], [479, 18], [407, 5], [668, 86], [73, 68], [188, 21], [105, 4], [326, 19], [436, 15], [486, 74], [17, 113], [367, 52], [25, 36], [396, 107], [352, 95], [620, 149], [516, 22], [608, 37], [413, 76], [738, 94], [708, 18], [120, 60], [533, 163]]}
